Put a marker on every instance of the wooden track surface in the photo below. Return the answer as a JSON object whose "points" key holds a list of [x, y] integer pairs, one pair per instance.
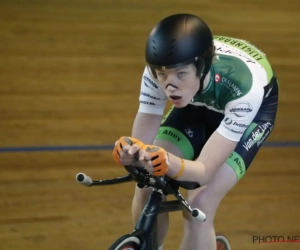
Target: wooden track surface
{"points": [[70, 75]]}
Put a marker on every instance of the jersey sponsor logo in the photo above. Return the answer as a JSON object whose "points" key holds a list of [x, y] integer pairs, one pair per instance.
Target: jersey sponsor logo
{"points": [[232, 86], [189, 132], [258, 136], [148, 103], [228, 51], [263, 138], [240, 164], [234, 131], [245, 46], [241, 109], [237, 163], [228, 121], [169, 133], [241, 125], [148, 80], [217, 78], [149, 83], [150, 96]]}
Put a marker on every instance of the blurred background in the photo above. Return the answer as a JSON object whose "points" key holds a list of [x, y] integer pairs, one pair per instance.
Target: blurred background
{"points": [[70, 74]]}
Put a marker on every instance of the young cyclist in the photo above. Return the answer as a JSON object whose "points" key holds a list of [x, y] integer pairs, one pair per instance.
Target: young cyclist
{"points": [[224, 94]]}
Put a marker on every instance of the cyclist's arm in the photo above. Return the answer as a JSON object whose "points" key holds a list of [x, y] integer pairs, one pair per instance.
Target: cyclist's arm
{"points": [[222, 142], [152, 102], [145, 127], [215, 152]]}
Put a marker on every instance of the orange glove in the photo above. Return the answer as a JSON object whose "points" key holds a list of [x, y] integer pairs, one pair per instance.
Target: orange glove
{"points": [[158, 158], [121, 143]]}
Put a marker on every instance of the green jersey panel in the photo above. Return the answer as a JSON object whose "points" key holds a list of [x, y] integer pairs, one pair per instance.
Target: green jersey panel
{"points": [[230, 78], [248, 48]]}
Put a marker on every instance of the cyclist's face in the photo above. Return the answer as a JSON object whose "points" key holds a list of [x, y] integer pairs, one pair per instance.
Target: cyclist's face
{"points": [[180, 84]]}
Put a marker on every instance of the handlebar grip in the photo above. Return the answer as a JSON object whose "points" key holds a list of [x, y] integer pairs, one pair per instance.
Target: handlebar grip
{"points": [[84, 179], [198, 215]]}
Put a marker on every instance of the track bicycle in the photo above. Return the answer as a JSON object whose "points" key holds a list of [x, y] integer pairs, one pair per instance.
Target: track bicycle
{"points": [[144, 234]]}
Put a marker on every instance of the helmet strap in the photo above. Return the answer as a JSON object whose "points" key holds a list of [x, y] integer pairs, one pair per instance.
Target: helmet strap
{"points": [[201, 85]]}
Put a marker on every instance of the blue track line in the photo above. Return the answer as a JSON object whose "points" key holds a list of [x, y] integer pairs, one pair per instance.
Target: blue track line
{"points": [[280, 144]]}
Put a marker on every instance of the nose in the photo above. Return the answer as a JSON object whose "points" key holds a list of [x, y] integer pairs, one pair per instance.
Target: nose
{"points": [[171, 87]]}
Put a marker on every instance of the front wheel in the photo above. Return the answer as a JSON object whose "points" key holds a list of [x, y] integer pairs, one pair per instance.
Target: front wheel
{"points": [[129, 246], [126, 242]]}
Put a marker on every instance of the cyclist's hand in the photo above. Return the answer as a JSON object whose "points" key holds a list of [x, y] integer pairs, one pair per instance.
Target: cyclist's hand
{"points": [[127, 151], [157, 161]]}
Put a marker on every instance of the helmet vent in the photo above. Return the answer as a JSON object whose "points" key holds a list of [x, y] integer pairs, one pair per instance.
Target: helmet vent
{"points": [[153, 47], [154, 54], [172, 46]]}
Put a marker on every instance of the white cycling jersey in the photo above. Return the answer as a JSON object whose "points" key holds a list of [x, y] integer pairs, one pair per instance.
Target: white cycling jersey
{"points": [[240, 75]]}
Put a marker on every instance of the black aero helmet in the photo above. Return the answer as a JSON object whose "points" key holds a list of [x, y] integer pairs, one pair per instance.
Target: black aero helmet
{"points": [[178, 40]]}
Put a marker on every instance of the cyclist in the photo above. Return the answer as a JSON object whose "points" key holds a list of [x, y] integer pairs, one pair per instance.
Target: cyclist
{"points": [[224, 94]]}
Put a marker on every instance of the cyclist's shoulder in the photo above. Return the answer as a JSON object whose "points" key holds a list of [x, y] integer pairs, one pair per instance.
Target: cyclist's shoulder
{"points": [[148, 79], [237, 54], [232, 44], [231, 76], [152, 98], [243, 56], [149, 84]]}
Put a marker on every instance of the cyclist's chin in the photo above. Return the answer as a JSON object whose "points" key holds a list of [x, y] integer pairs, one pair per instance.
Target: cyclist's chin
{"points": [[180, 103]]}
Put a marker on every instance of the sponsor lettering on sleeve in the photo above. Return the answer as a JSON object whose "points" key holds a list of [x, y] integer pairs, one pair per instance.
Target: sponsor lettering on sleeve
{"points": [[241, 109]]}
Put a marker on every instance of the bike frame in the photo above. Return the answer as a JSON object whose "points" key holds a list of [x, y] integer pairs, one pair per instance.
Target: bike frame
{"points": [[146, 227]]}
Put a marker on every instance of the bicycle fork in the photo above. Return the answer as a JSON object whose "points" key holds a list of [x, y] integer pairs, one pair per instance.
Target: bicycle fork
{"points": [[145, 227]]}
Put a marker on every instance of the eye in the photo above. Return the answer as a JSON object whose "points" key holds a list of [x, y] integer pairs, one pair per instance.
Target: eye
{"points": [[160, 74], [181, 73]]}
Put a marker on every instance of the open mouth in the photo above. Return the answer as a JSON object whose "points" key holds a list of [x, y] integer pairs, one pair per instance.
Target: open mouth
{"points": [[175, 97]]}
